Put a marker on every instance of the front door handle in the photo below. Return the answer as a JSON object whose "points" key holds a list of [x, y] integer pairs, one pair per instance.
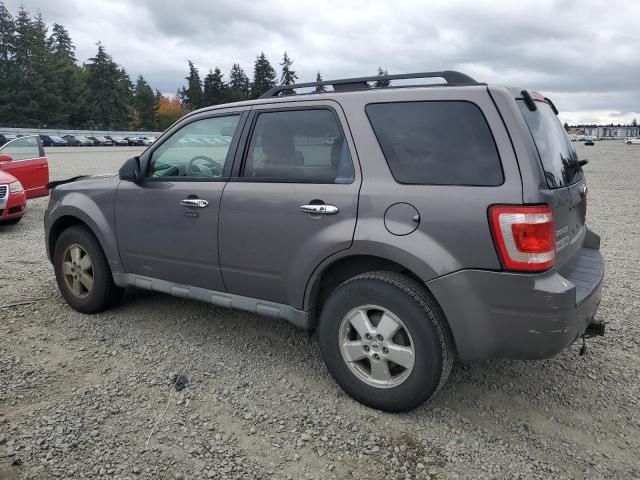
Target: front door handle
{"points": [[194, 202], [321, 209]]}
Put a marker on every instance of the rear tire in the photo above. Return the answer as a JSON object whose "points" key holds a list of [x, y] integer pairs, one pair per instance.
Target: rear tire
{"points": [[421, 343], [82, 271]]}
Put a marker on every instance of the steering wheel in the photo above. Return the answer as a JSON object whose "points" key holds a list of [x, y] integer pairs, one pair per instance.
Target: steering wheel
{"points": [[211, 168]]}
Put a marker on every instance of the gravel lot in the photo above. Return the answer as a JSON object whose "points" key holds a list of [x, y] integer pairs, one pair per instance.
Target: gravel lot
{"points": [[89, 396]]}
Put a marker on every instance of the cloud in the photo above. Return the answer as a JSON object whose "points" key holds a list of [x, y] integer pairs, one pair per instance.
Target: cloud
{"points": [[581, 53]]}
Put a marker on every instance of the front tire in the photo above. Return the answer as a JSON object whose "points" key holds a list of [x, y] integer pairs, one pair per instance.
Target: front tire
{"points": [[82, 271], [385, 341]]}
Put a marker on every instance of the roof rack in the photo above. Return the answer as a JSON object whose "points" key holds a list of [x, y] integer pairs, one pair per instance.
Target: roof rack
{"points": [[349, 84]]}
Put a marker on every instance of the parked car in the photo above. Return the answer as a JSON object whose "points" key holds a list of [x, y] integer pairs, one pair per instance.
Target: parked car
{"points": [[24, 158], [6, 137], [72, 141], [100, 141], [53, 141], [435, 224], [105, 141], [633, 141], [78, 140], [135, 141], [117, 140], [84, 141], [13, 201]]}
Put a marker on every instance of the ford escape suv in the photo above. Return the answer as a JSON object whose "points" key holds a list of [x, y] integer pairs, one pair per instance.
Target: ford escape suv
{"points": [[407, 225]]}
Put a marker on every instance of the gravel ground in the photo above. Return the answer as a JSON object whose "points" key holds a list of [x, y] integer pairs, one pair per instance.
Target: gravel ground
{"points": [[90, 396]]}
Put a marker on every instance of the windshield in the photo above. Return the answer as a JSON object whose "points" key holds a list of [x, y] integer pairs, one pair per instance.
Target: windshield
{"points": [[559, 159]]}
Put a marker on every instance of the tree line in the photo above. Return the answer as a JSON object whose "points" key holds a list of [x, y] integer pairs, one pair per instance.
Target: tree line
{"points": [[42, 84]]}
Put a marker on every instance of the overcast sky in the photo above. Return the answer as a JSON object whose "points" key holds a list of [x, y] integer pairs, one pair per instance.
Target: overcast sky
{"points": [[583, 54]]}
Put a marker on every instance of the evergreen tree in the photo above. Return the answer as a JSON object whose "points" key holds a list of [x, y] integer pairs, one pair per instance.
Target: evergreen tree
{"points": [[157, 102], [108, 91], [215, 90], [382, 82], [36, 101], [192, 96], [68, 81], [144, 102], [239, 86], [264, 76], [126, 112], [7, 67], [289, 75], [320, 88], [60, 43]]}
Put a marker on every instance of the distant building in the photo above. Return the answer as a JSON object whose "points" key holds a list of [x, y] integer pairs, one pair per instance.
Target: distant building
{"points": [[611, 131]]}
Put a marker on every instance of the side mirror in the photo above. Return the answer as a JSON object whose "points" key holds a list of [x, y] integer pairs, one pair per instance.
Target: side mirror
{"points": [[131, 171], [5, 158]]}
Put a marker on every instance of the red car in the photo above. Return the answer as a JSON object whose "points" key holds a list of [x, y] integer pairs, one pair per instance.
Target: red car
{"points": [[13, 200], [24, 159]]}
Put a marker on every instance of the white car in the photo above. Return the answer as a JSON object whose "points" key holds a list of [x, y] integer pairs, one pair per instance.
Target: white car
{"points": [[633, 141]]}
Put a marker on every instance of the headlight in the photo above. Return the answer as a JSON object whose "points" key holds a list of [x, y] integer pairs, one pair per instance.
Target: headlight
{"points": [[15, 187]]}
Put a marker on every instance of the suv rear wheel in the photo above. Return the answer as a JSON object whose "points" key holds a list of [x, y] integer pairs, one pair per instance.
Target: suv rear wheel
{"points": [[385, 341], [82, 271]]}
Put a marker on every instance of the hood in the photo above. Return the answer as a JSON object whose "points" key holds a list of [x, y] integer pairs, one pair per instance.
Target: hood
{"points": [[80, 178], [6, 177]]}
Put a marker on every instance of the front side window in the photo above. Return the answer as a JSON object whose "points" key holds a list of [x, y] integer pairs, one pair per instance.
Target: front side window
{"points": [[23, 148], [436, 143], [305, 146], [200, 149]]}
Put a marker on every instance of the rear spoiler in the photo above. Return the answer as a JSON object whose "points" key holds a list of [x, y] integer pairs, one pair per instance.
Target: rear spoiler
{"points": [[530, 101], [52, 185]]}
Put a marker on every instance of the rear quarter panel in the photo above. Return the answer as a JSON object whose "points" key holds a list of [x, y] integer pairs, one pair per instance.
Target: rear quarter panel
{"points": [[453, 232]]}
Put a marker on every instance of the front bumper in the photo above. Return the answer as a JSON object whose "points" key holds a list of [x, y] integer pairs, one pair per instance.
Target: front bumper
{"points": [[519, 315], [13, 206]]}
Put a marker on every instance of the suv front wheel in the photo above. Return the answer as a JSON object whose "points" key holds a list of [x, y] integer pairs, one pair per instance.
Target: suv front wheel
{"points": [[82, 271], [385, 341]]}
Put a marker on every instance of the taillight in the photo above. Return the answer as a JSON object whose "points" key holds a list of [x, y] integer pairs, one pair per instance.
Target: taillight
{"points": [[524, 236]]}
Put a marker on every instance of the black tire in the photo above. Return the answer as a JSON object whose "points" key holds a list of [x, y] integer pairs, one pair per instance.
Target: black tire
{"points": [[11, 221], [423, 319], [104, 293]]}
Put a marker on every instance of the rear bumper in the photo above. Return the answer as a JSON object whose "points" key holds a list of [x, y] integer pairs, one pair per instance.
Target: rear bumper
{"points": [[518, 315]]}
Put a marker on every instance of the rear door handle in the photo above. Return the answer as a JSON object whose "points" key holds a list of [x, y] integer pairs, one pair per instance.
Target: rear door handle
{"points": [[320, 209], [194, 202]]}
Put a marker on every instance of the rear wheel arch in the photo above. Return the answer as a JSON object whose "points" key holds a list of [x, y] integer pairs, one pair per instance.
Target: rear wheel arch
{"points": [[343, 269]]}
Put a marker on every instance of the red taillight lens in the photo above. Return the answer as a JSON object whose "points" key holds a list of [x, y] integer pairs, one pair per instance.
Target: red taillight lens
{"points": [[524, 236]]}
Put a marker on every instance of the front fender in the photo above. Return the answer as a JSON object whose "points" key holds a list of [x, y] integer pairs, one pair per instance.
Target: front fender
{"points": [[95, 209]]}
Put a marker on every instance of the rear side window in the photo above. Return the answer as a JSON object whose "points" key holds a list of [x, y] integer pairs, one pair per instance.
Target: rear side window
{"points": [[559, 159], [305, 146], [436, 143]]}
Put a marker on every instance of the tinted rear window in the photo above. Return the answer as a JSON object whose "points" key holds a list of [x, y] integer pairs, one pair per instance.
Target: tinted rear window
{"points": [[559, 159], [436, 143]]}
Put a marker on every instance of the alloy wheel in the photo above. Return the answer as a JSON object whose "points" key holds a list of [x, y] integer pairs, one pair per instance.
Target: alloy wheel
{"points": [[77, 270], [376, 346]]}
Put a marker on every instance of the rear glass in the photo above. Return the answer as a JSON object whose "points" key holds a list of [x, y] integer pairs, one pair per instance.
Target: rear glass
{"points": [[559, 159], [436, 143]]}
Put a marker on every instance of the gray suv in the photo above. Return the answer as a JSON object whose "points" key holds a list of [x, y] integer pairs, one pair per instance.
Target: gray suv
{"points": [[407, 225]]}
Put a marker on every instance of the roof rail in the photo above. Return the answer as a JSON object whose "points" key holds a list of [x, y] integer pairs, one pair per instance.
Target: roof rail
{"points": [[347, 84]]}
